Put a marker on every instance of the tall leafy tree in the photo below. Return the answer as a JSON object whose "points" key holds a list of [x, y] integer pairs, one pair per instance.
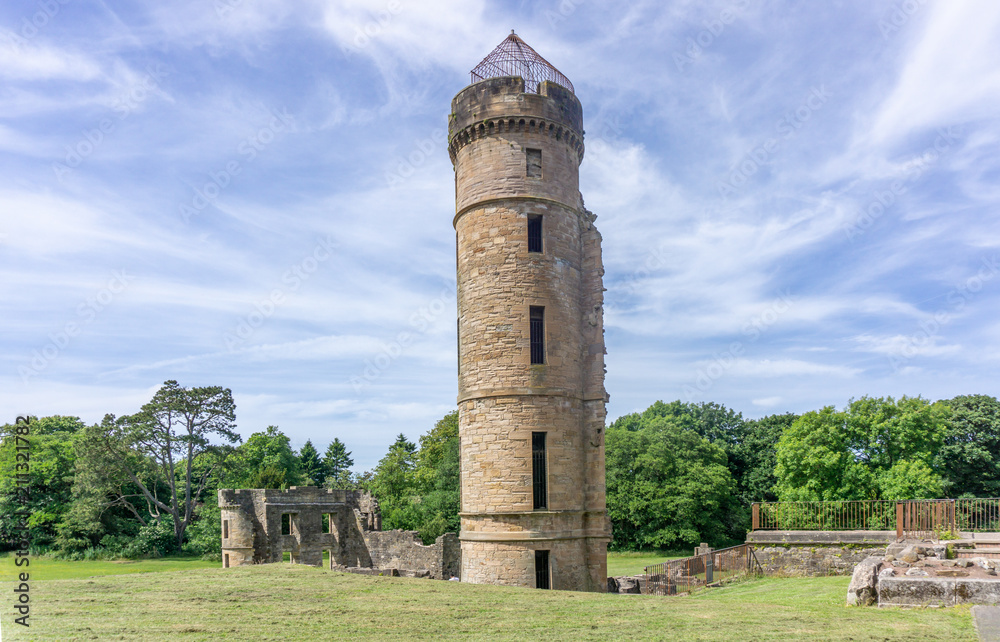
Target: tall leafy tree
{"points": [[720, 426], [969, 458], [49, 477], [312, 466], [814, 460], [338, 461], [667, 486], [758, 451], [177, 439], [878, 448], [264, 460], [394, 484], [437, 478]]}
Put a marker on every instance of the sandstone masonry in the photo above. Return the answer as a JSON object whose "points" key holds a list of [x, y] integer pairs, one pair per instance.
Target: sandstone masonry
{"points": [[516, 155], [260, 525]]}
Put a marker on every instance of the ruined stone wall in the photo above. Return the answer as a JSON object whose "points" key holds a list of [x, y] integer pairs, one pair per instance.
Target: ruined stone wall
{"points": [[816, 553], [503, 397], [405, 550]]}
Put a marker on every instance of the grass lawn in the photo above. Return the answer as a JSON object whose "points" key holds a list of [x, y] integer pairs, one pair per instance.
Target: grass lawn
{"points": [[43, 568], [290, 602], [633, 563]]}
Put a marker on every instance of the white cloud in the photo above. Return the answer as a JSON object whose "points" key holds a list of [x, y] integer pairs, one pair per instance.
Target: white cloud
{"points": [[29, 61], [952, 74]]}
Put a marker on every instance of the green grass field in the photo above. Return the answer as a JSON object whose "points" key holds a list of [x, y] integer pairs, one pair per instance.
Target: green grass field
{"points": [[44, 568], [286, 602], [633, 563]]}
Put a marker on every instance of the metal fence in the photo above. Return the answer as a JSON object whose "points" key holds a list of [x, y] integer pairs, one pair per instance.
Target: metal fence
{"points": [[977, 515], [919, 518], [825, 516], [708, 569]]}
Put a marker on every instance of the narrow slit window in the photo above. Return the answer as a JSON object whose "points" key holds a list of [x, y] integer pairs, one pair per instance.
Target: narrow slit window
{"points": [[534, 233], [325, 524], [225, 561], [542, 569], [225, 529], [539, 477], [286, 524], [534, 162], [536, 314]]}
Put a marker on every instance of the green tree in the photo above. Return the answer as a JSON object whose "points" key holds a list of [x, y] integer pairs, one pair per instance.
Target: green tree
{"points": [[49, 478], [437, 479], [969, 458], [338, 462], [720, 426], [312, 466], [394, 484], [169, 440], [270, 449], [667, 486], [759, 452], [814, 461], [878, 448]]}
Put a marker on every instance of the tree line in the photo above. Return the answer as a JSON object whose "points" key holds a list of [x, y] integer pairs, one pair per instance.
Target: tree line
{"points": [[677, 473]]}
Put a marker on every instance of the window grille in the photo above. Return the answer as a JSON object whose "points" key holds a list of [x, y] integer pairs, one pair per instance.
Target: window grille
{"points": [[534, 233], [536, 319], [539, 477]]}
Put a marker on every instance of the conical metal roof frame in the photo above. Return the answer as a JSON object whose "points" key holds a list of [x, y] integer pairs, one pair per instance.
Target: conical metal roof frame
{"points": [[514, 57]]}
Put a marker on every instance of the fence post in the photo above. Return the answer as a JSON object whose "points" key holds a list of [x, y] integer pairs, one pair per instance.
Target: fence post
{"points": [[954, 525], [755, 520], [899, 520]]}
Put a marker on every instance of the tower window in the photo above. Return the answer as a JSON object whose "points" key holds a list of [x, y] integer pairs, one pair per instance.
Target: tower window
{"points": [[534, 233], [539, 478], [542, 569], [225, 529], [325, 523], [534, 163], [286, 523], [536, 316]]}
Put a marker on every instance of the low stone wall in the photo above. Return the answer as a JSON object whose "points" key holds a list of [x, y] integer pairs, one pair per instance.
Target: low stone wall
{"points": [[936, 591], [816, 553], [405, 550]]}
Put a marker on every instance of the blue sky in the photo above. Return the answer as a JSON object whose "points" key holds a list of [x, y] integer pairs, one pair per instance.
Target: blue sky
{"points": [[798, 202]]}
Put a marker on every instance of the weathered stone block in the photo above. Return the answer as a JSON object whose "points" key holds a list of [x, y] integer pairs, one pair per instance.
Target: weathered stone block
{"points": [[862, 591]]}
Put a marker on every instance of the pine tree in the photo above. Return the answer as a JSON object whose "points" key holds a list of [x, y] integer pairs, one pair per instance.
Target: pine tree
{"points": [[337, 460], [312, 465]]}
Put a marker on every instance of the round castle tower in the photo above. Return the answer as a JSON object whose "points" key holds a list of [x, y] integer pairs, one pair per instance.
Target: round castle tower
{"points": [[531, 337]]}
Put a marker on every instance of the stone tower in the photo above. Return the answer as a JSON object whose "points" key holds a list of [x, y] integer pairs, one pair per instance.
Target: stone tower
{"points": [[530, 331]]}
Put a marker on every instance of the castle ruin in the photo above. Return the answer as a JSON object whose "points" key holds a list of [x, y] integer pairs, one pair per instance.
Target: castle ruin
{"points": [[530, 331], [260, 526]]}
